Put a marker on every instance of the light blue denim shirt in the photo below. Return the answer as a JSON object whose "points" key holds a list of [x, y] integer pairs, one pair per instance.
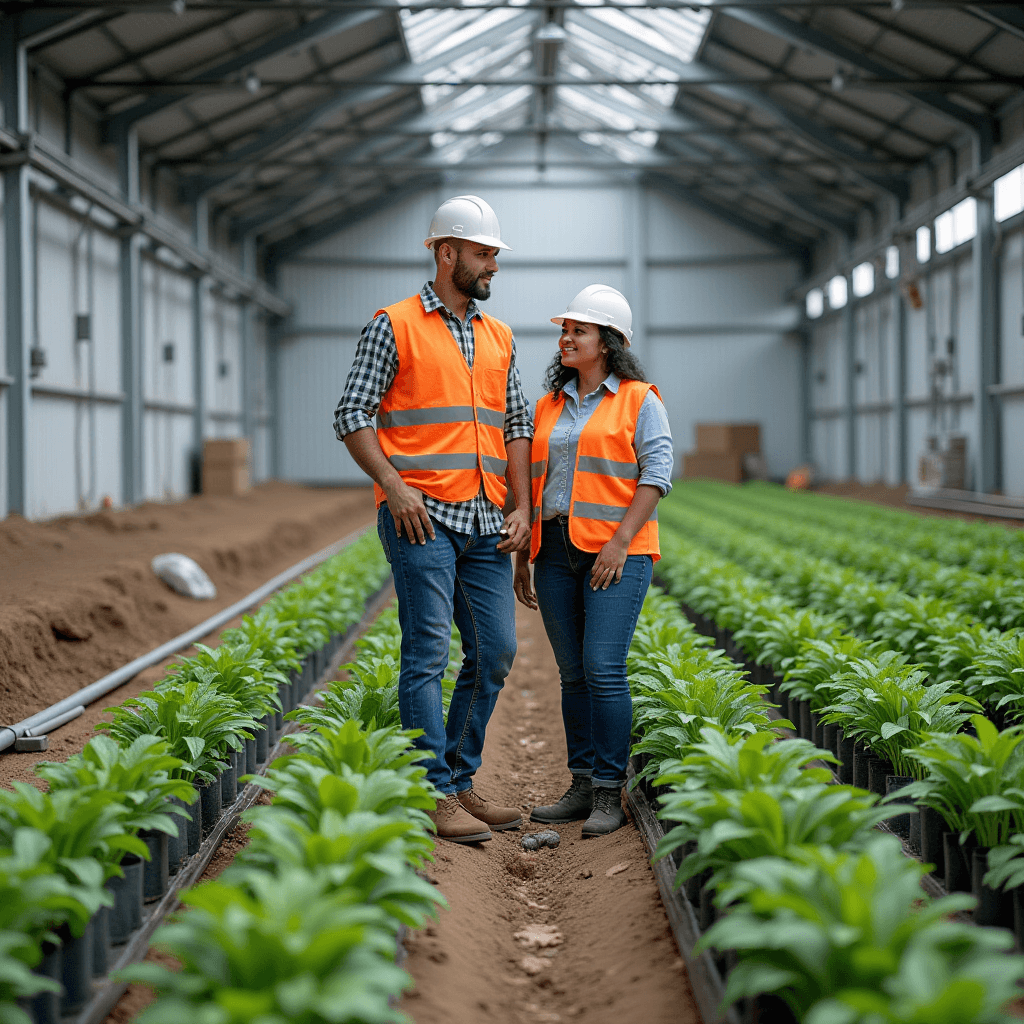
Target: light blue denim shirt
{"points": [[652, 443]]}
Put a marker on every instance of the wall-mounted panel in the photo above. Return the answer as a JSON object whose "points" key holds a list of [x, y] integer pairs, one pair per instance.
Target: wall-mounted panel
{"points": [[677, 229], [223, 367], [1011, 310]]}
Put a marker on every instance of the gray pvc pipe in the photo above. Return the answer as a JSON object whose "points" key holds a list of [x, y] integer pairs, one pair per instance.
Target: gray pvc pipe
{"points": [[91, 693]]}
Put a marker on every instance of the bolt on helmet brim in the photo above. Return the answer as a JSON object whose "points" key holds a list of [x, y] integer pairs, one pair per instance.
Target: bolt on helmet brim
{"points": [[466, 217], [602, 305]]}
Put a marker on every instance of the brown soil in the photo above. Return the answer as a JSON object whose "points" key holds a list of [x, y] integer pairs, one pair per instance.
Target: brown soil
{"points": [[78, 598], [882, 494], [575, 933]]}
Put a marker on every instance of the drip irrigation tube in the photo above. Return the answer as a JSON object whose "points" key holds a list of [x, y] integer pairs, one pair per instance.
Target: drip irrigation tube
{"points": [[59, 713]]}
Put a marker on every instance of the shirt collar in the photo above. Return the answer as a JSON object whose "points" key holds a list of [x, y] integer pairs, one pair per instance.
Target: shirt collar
{"points": [[431, 302], [610, 383]]}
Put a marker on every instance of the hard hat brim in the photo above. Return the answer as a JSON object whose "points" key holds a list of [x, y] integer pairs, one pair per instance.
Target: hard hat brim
{"points": [[494, 243], [582, 318]]}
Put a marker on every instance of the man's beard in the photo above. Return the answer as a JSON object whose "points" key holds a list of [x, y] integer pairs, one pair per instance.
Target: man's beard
{"points": [[473, 287]]}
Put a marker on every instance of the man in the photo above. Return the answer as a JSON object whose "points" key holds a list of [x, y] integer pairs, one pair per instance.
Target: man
{"points": [[452, 424]]}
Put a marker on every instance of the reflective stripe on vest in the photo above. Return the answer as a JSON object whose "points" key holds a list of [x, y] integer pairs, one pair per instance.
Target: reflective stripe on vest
{"points": [[606, 472], [440, 424]]}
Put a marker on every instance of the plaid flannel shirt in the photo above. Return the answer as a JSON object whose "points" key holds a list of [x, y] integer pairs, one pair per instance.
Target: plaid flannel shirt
{"points": [[373, 371]]}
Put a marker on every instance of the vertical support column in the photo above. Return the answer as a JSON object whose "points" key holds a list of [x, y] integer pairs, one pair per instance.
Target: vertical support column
{"points": [[899, 328], [987, 475], [636, 234], [274, 381], [200, 288], [132, 481], [17, 267], [248, 342], [849, 324], [806, 439]]}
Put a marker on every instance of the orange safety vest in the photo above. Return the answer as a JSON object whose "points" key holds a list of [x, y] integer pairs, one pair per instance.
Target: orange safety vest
{"points": [[606, 473], [440, 424]]}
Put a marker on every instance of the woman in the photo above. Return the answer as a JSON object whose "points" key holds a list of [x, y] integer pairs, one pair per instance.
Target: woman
{"points": [[602, 459]]}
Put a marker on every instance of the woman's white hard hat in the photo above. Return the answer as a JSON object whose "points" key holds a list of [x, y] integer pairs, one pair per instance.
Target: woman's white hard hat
{"points": [[467, 217], [603, 305]]}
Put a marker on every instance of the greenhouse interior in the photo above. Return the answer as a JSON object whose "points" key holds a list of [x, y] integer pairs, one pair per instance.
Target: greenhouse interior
{"points": [[660, 660]]}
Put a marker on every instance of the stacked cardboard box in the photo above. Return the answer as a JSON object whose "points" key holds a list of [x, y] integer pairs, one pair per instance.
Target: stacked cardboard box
{"points": [[225, 466], [720, 451]]}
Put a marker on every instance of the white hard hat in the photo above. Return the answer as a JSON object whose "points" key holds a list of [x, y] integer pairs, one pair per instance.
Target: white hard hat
{"points": [[603, 305], [466, 217]]}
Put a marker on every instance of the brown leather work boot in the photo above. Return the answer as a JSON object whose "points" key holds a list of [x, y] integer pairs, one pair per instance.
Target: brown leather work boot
{"points": [[480, 807], [451, 822]]}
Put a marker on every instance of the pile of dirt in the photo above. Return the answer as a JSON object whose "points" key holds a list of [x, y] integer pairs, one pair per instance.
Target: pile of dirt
{"points": [[78, 598]]}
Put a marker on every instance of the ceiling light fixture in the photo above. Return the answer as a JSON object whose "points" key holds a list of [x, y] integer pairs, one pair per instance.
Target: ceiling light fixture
{"points": [[178, 7], [838, 82], [252, 82]]}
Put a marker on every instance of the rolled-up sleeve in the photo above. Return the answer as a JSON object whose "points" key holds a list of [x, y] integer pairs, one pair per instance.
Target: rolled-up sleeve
{"points": [[372, 372], [518, 419], [653, 444]]}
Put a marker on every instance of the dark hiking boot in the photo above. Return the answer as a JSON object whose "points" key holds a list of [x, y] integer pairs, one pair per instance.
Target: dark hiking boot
{"points": [[454, 823], [575, 804], [490, 813], [607, 815]]}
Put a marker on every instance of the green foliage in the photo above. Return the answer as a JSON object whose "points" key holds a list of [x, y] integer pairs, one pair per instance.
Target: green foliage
{"points": [[846, 937], [238, 671]]}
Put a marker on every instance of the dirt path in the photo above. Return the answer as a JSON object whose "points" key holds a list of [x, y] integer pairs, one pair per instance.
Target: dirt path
{"points": [[78, 598], [577, 933]]}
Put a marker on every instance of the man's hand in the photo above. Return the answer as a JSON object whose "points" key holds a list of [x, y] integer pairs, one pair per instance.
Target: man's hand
{"points": [[516, 531], [521, 583], [409, 512]]}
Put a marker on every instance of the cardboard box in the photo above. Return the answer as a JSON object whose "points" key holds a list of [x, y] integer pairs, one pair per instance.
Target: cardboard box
{"points": [[732, 438], [713, 466], [225, 466]]}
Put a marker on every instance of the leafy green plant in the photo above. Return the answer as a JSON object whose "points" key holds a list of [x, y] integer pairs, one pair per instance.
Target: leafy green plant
{"points": [[140, 775], [975, 782], [885, 703], [198, 722], [276, 948], [237, 671], [846, 937]]}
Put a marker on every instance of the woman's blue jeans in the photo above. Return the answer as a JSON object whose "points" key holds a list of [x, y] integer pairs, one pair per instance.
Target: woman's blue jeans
{"points": [[590, 632], [460, 576]]}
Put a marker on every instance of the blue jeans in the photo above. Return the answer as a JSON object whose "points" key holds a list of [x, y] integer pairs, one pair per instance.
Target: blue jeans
{"points": [[460, 576], [590, 632]]}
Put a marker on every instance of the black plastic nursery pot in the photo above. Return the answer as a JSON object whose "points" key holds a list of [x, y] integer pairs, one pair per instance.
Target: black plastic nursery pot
{"points": [[263, 739], [806, 724], [228, 782], [75, 968], [932, 827], [830, 738], [817, 729], [766, 1009], [958, 862], [250, 756], [44, 1007], [210, 806], [707, 912], [878, 771], [194, 827], [126, 913], [901, 824], [1017, 898], [177, 846], [100, 942], [845, 747], [861, 756], [155, 873], [995, 906]]}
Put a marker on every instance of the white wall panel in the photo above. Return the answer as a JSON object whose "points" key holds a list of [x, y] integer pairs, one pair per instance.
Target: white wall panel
{"points": [[1011, 310], [167, 448], [223, 350], [1013, 446], [678, 230], [51, 422]]}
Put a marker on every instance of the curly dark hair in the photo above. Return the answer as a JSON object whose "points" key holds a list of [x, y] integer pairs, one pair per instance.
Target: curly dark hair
{"points": [[618, 360]]}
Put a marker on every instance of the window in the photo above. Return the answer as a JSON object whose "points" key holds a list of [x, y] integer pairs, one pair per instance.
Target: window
{"points": [[956, 226], [863, 279], [1009, 194], [815, 303], [924, 244], [892, 262], [837, 292], [944, 231]]}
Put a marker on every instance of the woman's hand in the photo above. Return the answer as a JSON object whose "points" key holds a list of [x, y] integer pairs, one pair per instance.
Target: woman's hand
{"points": [[521, 584], [609, 563]]}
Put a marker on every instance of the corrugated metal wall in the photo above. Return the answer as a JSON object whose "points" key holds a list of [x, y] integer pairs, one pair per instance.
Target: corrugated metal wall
{"points": [[708, 303]]}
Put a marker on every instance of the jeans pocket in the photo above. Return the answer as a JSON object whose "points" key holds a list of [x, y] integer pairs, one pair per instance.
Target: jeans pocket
{"points": [[383, 533]]}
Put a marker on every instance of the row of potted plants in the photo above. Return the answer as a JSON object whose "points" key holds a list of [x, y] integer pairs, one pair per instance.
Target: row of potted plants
{"points": [[993, 598], [121, 816], [947, 644], [981, 546], [817, 916], [302, 926]]}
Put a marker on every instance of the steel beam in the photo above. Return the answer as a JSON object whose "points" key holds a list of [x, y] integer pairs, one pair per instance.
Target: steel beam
{"points": [[130, 260], [849, 327], [800, 34], [18, 290], [247, 344], [985, 408], [200, 297], [638, 275], [304, 35]]}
